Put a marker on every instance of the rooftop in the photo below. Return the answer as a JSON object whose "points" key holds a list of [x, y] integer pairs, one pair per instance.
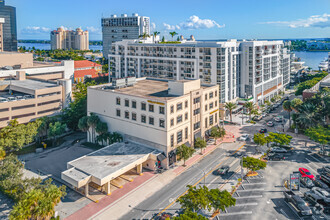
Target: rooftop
{"points": [[108, 160], [28, 84], [84, 63]]}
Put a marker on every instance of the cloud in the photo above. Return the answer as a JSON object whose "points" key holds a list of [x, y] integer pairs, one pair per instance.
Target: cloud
{"points": [[35, 30], [194, 22], [321, 21], [153, 26], [94, 30]]}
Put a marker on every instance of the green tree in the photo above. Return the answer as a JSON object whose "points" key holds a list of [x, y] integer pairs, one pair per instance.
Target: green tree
{"points": [[259, 139], [295, 103], [173, 33], [163, 39], [184, 152], [156, 33], [56, 129], [250, 106], [83, 125], [189, 215], [92, 122], [319, 134], [230, 107], [308, 116], [280, 139], [144, 35], [253, 164], [200, 143], [287, 107], [102, 129]]}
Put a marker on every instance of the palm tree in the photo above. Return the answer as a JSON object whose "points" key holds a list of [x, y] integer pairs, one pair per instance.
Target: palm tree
{"points": [[92, 121], [83, 125], [155, 34], [308, 116], [250, 106], [144, 35], [101, 129], [287, 107], [173, 33], [230, 107], [295, 103]]}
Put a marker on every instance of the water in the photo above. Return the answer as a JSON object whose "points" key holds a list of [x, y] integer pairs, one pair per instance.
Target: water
{"points": [[47, 46], [312, 59]]}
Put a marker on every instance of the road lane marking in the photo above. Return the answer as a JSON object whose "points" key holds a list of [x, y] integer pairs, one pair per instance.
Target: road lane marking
{"points": [[241, 190], [248, 197], [199, 181], [248, 184], [246, 204], [236, 213]]}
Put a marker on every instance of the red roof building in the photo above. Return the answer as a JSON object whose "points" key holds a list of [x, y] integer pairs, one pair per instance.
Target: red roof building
{"points": [[86, 69]]}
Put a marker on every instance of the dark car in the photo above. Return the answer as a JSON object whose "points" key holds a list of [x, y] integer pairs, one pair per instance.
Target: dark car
{"points": [[274, 156], [308, 183], [321, 184], [222, 170], [297, 203], [325, 169], [286, 98], [263, 130], [312, 198], [325, 178]]}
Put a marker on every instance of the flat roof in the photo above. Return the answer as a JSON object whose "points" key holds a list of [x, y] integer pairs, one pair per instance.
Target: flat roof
{"points": [[28, 84], [146, 88], [110, 159]]}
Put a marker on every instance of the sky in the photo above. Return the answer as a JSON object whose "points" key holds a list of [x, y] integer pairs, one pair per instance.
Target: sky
{"points": [[206, 20]]}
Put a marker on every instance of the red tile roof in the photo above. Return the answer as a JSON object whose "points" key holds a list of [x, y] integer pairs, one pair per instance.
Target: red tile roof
{"points": [[82, 73], [84, 63]]}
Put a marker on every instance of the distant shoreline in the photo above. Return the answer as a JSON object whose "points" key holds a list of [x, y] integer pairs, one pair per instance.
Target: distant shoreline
{"points": [[91, 42]]}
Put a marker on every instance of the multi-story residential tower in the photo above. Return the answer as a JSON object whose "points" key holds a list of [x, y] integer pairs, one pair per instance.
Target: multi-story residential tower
{"points": [[223, 63], [212, 62], [69, 39], [265, 69], [9, 27], [124, 27], [156, 112], [2, 21]]}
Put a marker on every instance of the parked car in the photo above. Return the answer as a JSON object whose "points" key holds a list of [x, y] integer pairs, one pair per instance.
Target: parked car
{"points": [[312, 198], [308, 183], [297, 203], [264, 114], [270, 124], [325, 178], [274, 156], [223, 170], [286, 98], [257, 118], [263, 130], [305, 173], [325, 195], [321, 184], [278, 119], [244, 137], [211, 141], [325, 169], [278, 150]]}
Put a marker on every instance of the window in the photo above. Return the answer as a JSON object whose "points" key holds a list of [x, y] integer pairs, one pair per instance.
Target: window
{"points": [[206, 122], [197, 111], [186, 133], [134, 116], [162, 123], [216, 103], [161, 110], [186, 104], [211, 95], [179, 137], [197, 125], [172, 109], [133, 104], [151, 120], [205, 97], [206, 107], [126, 103], [118, 101], [216, 93], [127, 114], [216, 117], [143, 106], [179, 106], [172, 140], [186, 116], [211, 105], [151, 108], [211, 120], [143, 118], [118, 112], [172, 122], [197, 100], [179, 119]]}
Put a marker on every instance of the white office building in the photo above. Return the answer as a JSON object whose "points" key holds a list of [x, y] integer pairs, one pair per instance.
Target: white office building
{"points": [[123, 27], [257, 69]]}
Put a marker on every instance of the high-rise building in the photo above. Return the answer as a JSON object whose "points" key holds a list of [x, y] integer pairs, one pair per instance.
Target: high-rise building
{"points": [[69, 39], [124, 27], [2, 21], [258, 69], [9, 27]]}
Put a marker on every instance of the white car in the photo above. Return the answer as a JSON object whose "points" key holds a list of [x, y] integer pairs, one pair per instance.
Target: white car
{"points": [[244, 137], [211, 141], [322, 193]]}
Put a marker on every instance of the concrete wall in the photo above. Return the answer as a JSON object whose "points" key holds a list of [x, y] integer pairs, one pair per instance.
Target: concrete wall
{"points": [[11, 59]]}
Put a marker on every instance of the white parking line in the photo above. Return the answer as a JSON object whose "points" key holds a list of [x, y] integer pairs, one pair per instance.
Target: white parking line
{"points": [[247, 204], [246, 190], [249, 197], [315, 158], [236, 213], [248, 184]]}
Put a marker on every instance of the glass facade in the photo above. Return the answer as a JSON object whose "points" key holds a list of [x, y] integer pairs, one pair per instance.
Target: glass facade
{"points": [[9, 27]]}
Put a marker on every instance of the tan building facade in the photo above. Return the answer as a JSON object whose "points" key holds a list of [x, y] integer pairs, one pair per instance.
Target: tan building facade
{"points": [[2, 21], [69, 39], [19, 60], [158, 113]]}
